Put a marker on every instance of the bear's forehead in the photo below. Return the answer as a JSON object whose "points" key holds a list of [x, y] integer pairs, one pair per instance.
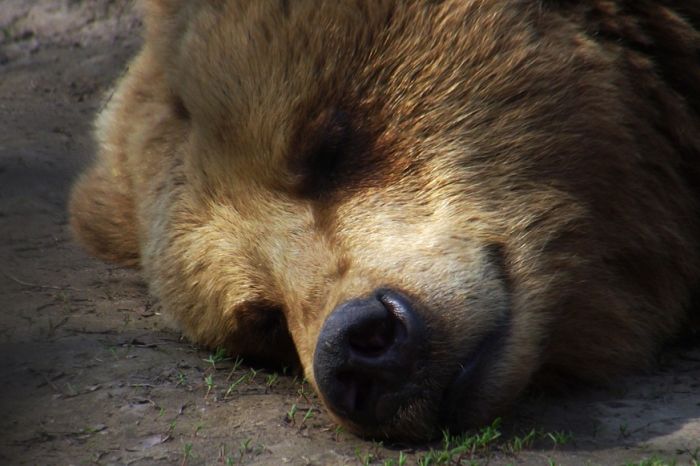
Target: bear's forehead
{"points": [[307, 80], [408, 58], [314, 88]]}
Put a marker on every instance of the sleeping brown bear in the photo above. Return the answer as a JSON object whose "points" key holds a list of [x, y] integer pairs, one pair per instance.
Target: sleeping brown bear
{"points": [[428, 204]]}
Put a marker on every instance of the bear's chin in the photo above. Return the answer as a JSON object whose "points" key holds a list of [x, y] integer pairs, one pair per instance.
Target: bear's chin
{"points": [[465, 401]]}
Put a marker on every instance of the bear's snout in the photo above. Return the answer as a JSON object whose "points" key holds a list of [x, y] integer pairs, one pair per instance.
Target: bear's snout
{"points": [[367, 356]]}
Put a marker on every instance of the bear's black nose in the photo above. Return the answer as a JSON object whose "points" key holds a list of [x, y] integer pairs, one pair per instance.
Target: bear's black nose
{"points": [[367, 353]]}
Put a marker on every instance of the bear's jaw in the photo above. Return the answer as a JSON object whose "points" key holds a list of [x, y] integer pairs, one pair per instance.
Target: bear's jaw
{"points": [[382, 373], [461, 405], [428, 407]]}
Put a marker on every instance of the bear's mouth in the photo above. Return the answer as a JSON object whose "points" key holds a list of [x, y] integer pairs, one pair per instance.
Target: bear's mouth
{"points": [[462, 401]]}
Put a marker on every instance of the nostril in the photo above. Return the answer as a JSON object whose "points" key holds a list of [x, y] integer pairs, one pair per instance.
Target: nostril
{"points": [[374, 337]]}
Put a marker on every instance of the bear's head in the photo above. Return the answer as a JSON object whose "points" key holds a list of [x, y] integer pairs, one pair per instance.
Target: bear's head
{"points": [[433, 200]]}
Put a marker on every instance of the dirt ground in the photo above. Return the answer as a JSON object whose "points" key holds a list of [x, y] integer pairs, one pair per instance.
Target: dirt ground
{"points": [[90, 374]]}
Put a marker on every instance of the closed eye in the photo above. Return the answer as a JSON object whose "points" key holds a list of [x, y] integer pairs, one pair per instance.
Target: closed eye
{"points": [[320, 163], [340, 153]]}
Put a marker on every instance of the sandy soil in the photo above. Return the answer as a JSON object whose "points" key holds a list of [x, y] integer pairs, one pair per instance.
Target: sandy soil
{"points": [[90, 374]]}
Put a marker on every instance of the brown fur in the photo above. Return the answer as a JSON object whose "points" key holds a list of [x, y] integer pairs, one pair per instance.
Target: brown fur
{"points": [[264, 161]]}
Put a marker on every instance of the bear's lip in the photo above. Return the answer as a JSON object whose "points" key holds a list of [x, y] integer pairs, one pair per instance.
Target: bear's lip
{"points": [[459, 408]]}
